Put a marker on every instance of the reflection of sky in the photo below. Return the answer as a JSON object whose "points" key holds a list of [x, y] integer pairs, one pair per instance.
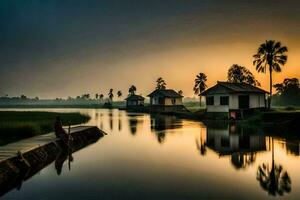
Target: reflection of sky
{"points": [[71, 47], [127, 166]]}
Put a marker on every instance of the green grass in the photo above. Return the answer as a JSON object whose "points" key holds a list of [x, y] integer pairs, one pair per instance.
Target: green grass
{"points": [[18, 125], [194, 106], [286, 108]]}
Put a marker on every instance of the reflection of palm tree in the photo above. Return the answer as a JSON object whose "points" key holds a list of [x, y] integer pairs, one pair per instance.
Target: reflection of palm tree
{"points": [[201, 145], [120, 124], [274, 180], [111, 119]]}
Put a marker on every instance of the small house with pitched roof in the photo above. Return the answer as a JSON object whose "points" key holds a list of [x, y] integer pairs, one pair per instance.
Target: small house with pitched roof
{"points": [[165, 100], [134, 101], [234, 97]]}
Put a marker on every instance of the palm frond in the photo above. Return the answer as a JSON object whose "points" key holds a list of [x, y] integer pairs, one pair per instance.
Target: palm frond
{"points": [[276, 67]]}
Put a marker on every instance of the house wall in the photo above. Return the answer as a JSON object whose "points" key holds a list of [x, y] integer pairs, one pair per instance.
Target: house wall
{"points": [[154, 101], [255, 101], [256, 143], [168, 101], [217, 107], [135, 102]]}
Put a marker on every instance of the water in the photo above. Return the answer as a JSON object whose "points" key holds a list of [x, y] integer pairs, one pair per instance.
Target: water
{"points": [[148, 157]]}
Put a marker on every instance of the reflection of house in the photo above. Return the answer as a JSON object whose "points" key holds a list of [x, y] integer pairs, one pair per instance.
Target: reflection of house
{"points": [[232, 141], [134, 101], [134, 121], [161, 123], [293, 147], [227, 97], [165, 100]]}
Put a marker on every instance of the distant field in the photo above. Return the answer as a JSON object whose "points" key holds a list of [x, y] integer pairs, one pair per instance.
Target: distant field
{"points": [[194, 106], [286, 108], [17, 125]]}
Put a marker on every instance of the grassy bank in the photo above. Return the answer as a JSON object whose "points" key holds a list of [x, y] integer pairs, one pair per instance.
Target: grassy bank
{"points": [[277, 122], [18, 125]]}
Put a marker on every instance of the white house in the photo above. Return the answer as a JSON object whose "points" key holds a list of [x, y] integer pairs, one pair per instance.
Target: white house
{"points": [[232, 98], [165, 100], [134, 101]]}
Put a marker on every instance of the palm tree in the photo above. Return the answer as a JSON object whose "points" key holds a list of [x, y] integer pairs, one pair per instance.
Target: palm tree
{"points": [[119, 93], [111, 95], [101, 96], [180, 92], [160, 84], [132, 90], [200, 85], [274, 179], [270, 56], [201, 144]]}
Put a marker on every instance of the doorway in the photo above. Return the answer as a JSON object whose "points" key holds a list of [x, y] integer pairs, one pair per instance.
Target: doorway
{"points": [[243, 101]]}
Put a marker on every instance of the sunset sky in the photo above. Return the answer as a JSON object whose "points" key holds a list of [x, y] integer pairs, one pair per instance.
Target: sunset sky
{"points": [[56, 48]]}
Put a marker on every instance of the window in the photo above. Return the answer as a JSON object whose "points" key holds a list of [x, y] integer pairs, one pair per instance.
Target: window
{"points": [[173, 101], [225, 142], [224, 100], [210, 100]]}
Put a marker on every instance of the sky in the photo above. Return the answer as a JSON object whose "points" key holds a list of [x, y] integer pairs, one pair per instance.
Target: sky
{"points": [[61, 48]]}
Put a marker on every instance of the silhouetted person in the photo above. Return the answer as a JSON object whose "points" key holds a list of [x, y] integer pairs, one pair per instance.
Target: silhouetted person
{"points": [[59, 131]]}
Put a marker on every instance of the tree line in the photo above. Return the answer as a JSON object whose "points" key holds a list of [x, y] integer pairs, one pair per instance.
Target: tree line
{"points": [[270, 57]]}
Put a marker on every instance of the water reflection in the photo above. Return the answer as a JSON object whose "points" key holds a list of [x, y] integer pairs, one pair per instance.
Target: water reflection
{"points": [[13, 175], [219, 155], [160, 124], [134, 120], [62, 156], [292, 147], [111, 125], [240, 143], [275, 180], [243, 144]]}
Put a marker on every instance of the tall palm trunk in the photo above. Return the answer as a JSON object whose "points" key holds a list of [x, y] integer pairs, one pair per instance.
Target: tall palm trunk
{"points": [[270, 97], [200, 100]]}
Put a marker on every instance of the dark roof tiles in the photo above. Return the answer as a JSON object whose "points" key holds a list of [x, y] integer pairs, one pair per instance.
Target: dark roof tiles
{"points": [[135, 97], [165, 93], [236, 87]]}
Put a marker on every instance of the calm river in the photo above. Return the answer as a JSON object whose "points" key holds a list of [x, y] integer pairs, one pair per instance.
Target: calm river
{"points": [[151, 157]]}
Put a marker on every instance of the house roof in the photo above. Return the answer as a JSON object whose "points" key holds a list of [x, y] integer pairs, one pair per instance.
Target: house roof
{"points": [[135, 97], [165, 93], [233, 88]]}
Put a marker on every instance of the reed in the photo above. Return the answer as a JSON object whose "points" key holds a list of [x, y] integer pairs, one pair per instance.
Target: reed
{"points": [[15, 125]]}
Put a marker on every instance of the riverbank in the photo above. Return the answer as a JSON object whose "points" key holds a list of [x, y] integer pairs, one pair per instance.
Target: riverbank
{"points": [[278, 121], [16, 125]]}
